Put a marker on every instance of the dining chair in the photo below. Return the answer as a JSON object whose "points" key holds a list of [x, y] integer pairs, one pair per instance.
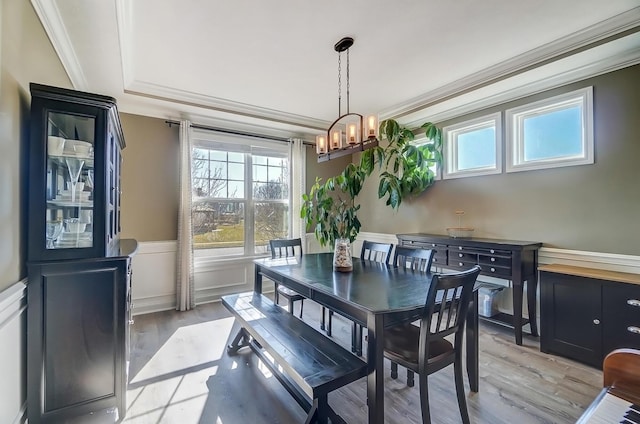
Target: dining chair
{"points": [[418, 260], [371, 251], [424, 349], [286, 248]]}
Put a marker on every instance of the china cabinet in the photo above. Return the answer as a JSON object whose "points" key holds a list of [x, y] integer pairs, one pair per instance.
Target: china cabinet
{"points": [[79, 270]]}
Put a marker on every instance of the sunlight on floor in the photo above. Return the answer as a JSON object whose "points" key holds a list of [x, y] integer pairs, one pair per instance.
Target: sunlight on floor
{"points": [[175, 380]]}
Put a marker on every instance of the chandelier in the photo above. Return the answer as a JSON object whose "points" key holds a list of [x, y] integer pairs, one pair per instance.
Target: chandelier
{"points": [[347, 134]]}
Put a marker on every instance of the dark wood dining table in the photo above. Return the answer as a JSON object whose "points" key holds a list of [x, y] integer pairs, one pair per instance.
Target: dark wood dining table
{"points": [[373, 295]]}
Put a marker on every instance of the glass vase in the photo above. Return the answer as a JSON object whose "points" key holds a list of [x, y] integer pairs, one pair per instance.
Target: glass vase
{"points": [[342, 260]]}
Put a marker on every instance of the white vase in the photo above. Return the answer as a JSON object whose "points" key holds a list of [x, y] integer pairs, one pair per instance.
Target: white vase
{"points": [[342, 260]]}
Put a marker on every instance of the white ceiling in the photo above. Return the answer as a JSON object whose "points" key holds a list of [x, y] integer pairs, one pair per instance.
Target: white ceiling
{"points": [[271, 64]]}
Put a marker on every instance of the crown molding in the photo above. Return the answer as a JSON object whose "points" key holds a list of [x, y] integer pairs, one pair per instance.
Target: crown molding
{"points": [[166, 110], [466, 103], [160, 92], [51, 20], [603, 32]]}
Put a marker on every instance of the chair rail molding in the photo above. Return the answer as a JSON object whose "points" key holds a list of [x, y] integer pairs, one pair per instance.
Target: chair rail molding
{"points": [[13, 351]]}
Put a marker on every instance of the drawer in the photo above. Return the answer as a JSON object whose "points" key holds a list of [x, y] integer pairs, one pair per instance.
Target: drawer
{"points": [[461, 256], [492, 260], [621, 316], [461, 265], [498, 271], [440, 258]]}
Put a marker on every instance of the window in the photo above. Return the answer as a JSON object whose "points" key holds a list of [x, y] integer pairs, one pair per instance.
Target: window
{"points": [[240, 197], [473, 148], [550, 133]]}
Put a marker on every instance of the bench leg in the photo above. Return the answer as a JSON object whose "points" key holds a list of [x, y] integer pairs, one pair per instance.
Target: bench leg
{"points": [[241, 340], [319, 412]]}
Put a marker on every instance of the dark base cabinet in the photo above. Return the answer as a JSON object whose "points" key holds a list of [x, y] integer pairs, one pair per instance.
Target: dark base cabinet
{"points": [[78, 347], [585, 313], [505, 259]]}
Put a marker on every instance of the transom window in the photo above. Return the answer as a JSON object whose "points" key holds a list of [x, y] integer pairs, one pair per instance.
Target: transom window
{"points": [[240, 197], [550, 133], [473, 147]]}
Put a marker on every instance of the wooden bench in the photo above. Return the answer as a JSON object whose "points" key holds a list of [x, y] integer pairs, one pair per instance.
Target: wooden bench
{"points": [[307, 363]]}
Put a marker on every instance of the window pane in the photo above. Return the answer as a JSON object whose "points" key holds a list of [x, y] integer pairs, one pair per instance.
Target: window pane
{"points": [[236, 189], [275, 161], [260, 173], [200, 168], [218, 155], [276, 173], [219, 226], [217, 169], [200, 187], [553, 135], [477, 149], [218, 188], [200, 153], [236, 171], [271, 221]]}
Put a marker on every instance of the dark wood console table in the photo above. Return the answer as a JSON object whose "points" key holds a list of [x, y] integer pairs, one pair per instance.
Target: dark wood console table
{"points": [[506, 259]]}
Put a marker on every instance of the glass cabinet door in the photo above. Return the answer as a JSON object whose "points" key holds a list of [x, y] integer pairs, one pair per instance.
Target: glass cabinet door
{"points": [[70, 180]]}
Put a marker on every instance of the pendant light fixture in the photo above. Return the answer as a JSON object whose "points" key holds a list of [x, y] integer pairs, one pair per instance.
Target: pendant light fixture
{"points": [[349, 133]]}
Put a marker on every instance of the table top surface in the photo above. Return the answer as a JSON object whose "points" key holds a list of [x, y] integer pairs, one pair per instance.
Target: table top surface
{"points": [[374, 287]]}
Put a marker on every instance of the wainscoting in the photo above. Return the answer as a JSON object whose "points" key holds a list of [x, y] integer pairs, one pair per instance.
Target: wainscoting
{"points": [[154, 271], [13, 354]]}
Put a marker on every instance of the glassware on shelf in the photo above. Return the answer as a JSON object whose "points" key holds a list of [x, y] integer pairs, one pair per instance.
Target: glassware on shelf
{"points": [[74, 166], [53, 231]]}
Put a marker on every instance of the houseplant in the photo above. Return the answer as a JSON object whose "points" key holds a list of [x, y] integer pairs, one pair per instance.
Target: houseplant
{"points": [[404, 170]]}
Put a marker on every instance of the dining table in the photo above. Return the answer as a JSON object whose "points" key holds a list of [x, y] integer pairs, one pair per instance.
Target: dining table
{"points": [[374, 295]]}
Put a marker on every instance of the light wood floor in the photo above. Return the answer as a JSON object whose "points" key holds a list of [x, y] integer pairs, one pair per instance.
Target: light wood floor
{"points": [[180, 373]]}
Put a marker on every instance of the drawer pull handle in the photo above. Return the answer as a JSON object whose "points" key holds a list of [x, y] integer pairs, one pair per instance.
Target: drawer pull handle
{"points": [[131, 322], [459, 247], [460, 255], [493, 270], [493, 259], [633, 329], [460, 263], [633, 302], [492, 251], [596, 321], [433, 245]]}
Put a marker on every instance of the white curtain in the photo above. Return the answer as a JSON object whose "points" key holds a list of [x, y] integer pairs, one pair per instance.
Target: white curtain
{"points": [[185, 292], [298, 155]]}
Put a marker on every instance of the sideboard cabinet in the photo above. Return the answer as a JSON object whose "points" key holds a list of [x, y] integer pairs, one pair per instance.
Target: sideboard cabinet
{"points": [[79, 270], [586, 313], [506, 259]]}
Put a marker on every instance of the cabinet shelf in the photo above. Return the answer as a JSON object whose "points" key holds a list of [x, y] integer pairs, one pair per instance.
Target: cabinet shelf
{"points": [[60, 160]]}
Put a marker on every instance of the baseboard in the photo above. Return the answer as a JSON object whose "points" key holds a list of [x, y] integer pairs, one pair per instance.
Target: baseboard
{"points": [[150, 304]]}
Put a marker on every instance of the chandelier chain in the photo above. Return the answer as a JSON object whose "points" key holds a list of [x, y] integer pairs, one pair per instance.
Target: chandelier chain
{"points": [[339, 84], [348, 81]]}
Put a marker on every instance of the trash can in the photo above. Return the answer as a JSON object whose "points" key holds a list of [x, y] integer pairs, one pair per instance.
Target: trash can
{"points": [[488, 299]]}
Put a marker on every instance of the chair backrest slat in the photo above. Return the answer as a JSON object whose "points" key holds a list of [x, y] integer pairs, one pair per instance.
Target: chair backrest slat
{"points": [[284, 248], [417, 259], [377, 252], [449, 295]]}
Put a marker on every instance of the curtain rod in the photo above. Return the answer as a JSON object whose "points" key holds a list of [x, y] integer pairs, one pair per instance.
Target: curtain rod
{"points": [[234, 132]]}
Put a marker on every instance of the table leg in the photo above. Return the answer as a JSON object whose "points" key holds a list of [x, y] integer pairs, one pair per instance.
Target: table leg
{"points": [[472, 344], [375, 376], [517, 310], [257, 279]]}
